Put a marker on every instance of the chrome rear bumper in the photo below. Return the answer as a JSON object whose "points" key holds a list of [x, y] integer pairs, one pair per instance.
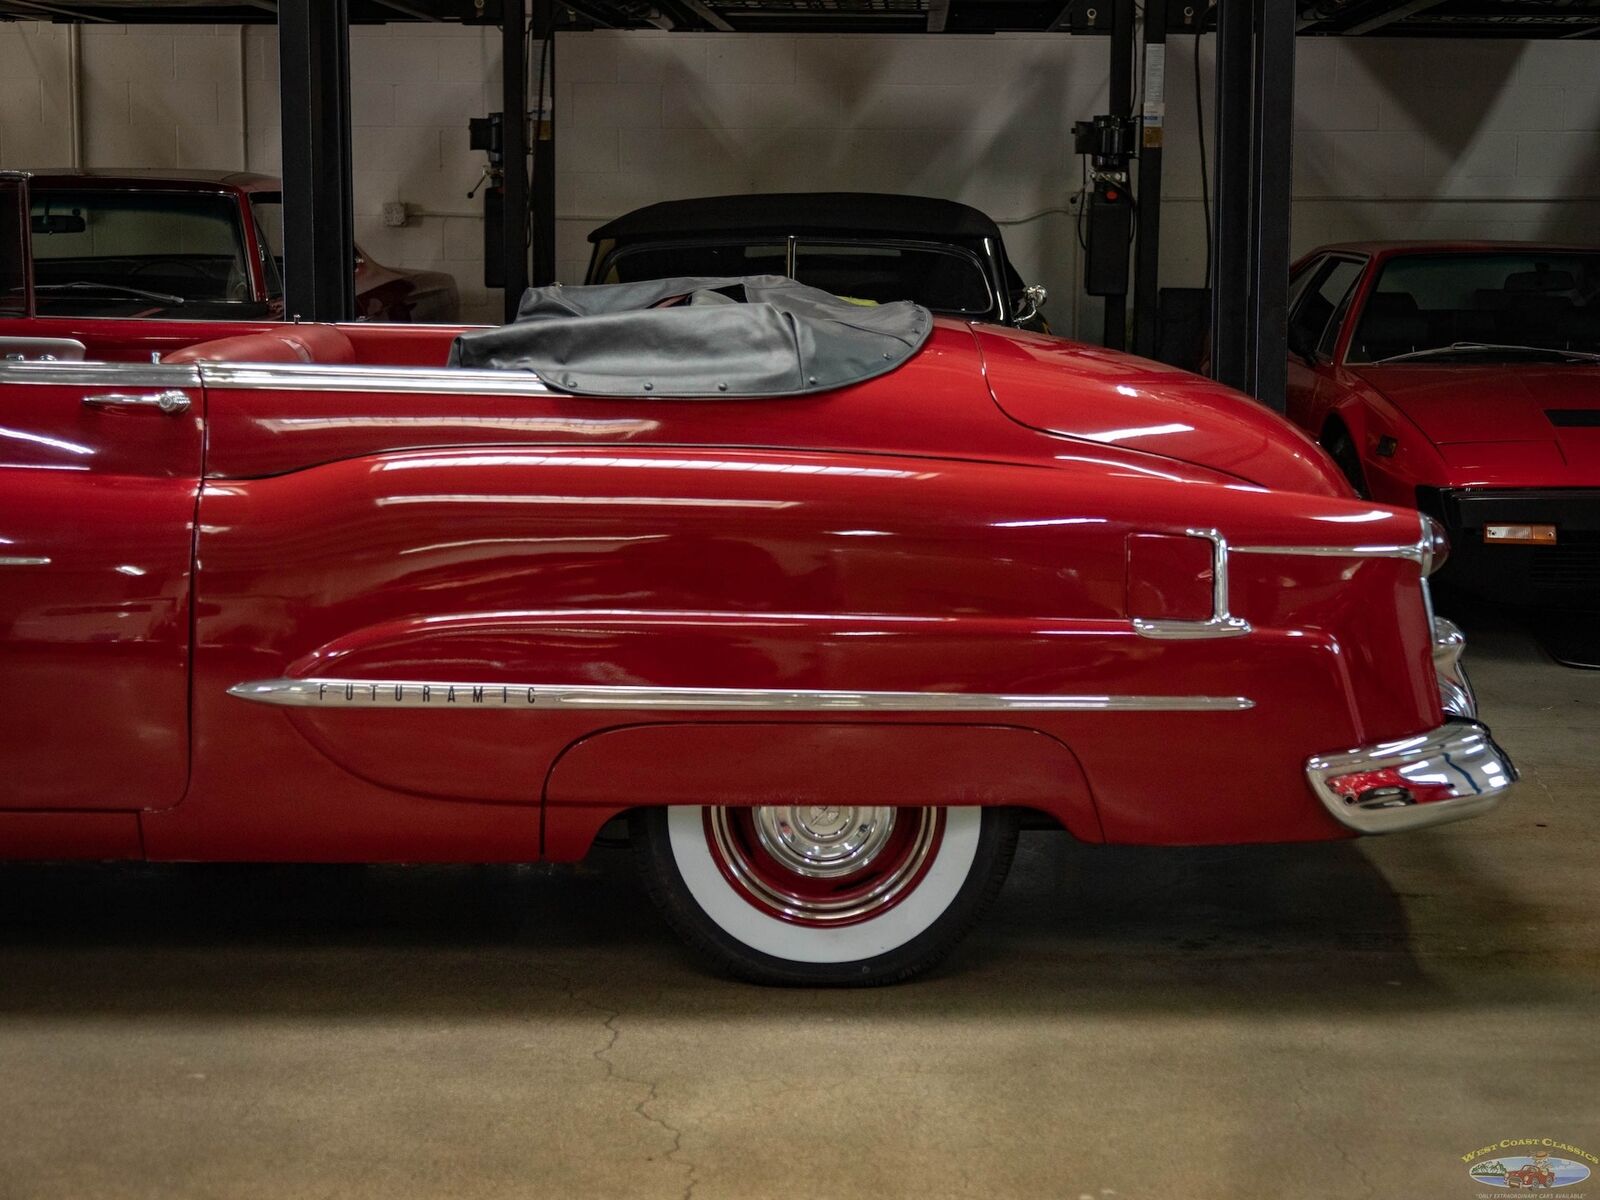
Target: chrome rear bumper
{"points": [[1450, 773]]}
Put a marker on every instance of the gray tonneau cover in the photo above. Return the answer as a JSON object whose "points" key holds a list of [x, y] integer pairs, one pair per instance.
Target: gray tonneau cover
{"points": [[760, 335]]}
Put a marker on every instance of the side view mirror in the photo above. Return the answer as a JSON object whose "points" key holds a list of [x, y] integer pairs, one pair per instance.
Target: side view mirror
{"points": [[1030, 302]]}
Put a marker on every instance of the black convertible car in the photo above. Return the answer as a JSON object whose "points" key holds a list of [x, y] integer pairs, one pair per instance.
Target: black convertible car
{"points": [[864, 246]]}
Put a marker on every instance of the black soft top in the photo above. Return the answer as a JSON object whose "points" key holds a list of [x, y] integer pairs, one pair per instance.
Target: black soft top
{"points": [[813, 213], [707, 337]]}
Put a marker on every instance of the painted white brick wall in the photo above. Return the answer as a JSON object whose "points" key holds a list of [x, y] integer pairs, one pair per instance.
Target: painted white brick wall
{"points": [[1394, 138]]}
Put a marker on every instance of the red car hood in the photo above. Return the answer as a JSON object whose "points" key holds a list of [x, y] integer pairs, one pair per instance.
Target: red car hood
{"points": [[1494, 422]]}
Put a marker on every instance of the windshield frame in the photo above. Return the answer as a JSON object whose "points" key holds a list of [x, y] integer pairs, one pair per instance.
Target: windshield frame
{"points": [[244, 233]]}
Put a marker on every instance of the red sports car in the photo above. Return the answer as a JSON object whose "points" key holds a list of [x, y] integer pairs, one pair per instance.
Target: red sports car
{"points": [[1464, 379], [824, 619], [204, 245]]}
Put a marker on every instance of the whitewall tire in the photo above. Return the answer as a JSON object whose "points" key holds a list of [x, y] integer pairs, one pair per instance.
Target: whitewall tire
{"points": [[824, 894]]}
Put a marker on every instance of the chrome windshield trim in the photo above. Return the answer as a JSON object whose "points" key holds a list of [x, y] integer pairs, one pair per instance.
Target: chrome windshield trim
{"points": [[81, 374], [327, 377], [393, 693], [1221, 623], [1459, 758]]}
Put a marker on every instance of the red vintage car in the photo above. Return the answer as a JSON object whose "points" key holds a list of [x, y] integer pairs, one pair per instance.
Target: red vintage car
{"points": [[1464, 379], [197, 245], [369, 593], [1531, 1175]]}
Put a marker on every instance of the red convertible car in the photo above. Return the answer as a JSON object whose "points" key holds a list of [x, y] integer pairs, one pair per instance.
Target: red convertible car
{"points": [[824, 619], [201, 245], [1464, 379]]}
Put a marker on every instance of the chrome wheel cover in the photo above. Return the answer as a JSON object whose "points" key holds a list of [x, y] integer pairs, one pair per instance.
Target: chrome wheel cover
{"points": [[823, 841], [825, 844]]}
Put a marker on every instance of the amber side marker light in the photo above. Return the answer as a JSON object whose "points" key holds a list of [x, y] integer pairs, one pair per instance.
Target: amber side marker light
{"points": [[1520, 535]]}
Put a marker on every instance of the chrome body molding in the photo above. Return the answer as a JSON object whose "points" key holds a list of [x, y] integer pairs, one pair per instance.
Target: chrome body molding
{"points": [[391, 693], [330, 377], [80, 374], [1221, 623], [1447, 774], [1456, 696], [1404, 550], [1216, 627], [1428, 551], [23, 560]]}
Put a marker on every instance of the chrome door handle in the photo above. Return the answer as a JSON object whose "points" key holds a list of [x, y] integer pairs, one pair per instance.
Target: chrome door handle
{"points": [[170, 403]]}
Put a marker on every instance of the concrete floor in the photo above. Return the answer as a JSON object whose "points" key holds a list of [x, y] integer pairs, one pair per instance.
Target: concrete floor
{"points": [[1320, 1021]]}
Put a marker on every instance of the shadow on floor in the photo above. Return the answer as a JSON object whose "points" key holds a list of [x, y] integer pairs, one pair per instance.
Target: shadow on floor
{"points": [[1113, 929]]}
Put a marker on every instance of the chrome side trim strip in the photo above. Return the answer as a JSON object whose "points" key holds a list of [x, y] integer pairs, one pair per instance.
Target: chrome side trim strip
{"points": [[1409, 550], [1447, 774], [1420, 551], [1178, 631], [79, 374], [1221, 624], [387, 693], [330, 377], [22, 560]]}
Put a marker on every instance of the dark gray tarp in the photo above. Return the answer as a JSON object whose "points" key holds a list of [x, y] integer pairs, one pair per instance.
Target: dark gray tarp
{"points": [[761, 335]]}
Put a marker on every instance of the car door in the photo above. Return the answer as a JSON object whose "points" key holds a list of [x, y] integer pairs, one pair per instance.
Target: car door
{"points": [[99, 470], [1317, 309]]}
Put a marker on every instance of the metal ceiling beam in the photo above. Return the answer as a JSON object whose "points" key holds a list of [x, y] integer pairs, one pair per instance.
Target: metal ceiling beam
{"points": [[1398, 13], [589, 14], [708, 15], [408, 10], [56, 11]]}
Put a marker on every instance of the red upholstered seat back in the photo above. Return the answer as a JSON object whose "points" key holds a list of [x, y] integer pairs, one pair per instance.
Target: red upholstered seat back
{"points": [[293, 343]]}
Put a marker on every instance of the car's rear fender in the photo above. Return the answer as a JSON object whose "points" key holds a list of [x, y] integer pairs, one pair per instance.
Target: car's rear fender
{"points": [[535, 592]]}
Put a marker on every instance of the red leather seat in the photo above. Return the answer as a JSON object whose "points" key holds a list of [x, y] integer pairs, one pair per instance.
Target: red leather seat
{"points": [[293, 343]]}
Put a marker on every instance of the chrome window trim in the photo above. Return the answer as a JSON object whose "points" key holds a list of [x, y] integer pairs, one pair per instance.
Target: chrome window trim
{"points": [[329, 377], [68, 374], [391, 693], [1221, 623]]}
